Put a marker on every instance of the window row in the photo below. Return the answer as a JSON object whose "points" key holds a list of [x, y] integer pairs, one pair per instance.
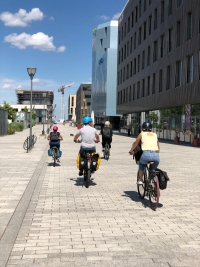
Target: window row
{"points": [[157, 82], [166, 46], [137, 13]]}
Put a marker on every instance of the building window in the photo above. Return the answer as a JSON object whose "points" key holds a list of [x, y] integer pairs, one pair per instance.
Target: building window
{"points": [[154, 84], [134, 67], [179, 2], [133, 92], [178, 33], [105, 31], [119, 57], [124, 51], [140, 7], [136, 14], [199, 25], [138, 63], [148, 56], [145, 5], [168, 77], [129, 25], [170, 40], [189, 26], [126, 97], [130, 92], [132, 19], [125, 29], [131, 68], [122, 32], [143, 59], [135, 41], [127, 48], [199, 64], [145, 29], [160, 81], [121, 76], [119, 37], [131, 45], [190, 69], [101, 43], [162, 12], [169, 8], [150, 22], [143, 88], [139, 36], [155, 51], [178, 76], [155, 19], [138, 90], [127, 71], [149, 2], [148, 85], [162, 41]]}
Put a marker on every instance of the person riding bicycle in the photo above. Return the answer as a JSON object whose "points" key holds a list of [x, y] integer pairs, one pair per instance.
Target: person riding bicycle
{"points": [[54, 138], [150, 147], [107, 134], [89, 137]]}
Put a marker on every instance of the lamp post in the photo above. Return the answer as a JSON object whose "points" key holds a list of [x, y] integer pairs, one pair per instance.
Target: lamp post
{"points": [[31, 72], [44, 96]]}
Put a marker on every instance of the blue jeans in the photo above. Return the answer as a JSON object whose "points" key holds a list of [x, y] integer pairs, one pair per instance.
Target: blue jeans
{"points": [[147, 156], [54, 143]]}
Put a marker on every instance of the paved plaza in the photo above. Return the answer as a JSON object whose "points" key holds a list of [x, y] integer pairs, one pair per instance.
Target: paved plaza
{"points": [[49, 218]]}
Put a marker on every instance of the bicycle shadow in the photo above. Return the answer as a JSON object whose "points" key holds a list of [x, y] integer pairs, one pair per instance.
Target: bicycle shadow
{"points": [[79, 181], [133, 195], [51, 164]]}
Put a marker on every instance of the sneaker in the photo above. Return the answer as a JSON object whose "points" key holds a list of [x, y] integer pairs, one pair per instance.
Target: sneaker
{"points": [[80, 173], [103, 149], [58, 160], [139, 182]]}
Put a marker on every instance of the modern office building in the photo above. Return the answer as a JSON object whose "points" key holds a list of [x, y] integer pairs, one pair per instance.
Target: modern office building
{"points": [[72, 107], [158, 56], [83, 101], [42, 102], [104, 73]]}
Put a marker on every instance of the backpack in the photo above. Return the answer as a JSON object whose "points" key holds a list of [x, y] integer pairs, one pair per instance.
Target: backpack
{"points": [[54, 136], [106, 132], [163, 179]]}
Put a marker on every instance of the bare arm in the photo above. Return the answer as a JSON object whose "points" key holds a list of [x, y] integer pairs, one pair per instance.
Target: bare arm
{"points": [[138, 139], [158, 146], [97, 138], [60, 137], [48, 137], [76, 138]]}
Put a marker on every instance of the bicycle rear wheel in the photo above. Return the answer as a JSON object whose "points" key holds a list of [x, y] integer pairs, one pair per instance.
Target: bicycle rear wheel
{"points": [[154, 194], [143, 187], [106, 151], [54, 157], [87, 178]]}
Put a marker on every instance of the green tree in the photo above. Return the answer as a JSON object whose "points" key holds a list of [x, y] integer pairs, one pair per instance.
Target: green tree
{"points": [[152, 117], [11, 112], [34, 115], [25, 109]]}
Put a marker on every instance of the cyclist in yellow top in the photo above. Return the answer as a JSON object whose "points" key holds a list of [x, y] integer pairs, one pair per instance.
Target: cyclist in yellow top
{"points": [[150, 147]]}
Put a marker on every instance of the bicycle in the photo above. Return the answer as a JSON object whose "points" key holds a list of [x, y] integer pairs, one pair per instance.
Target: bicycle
{"points": [[87, 169], [106, 152], [150, 187]]}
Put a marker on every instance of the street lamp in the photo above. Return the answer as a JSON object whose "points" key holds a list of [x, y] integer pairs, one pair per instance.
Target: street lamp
{"points": [[44, 96], [31, 72]]}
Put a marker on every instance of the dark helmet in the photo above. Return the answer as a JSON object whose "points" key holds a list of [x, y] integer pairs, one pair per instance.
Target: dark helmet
{"points": [[146, 126], [87, 120]]}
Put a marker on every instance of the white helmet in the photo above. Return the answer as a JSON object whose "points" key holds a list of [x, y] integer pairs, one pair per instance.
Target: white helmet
{"points": [[107, 123]]}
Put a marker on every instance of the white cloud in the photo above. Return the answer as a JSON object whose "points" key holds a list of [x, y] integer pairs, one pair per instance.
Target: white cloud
{"points": [[38, 41], [103, 17], [11, 86], [51, 18], [22, 18], [116, 16], [7, 80]]}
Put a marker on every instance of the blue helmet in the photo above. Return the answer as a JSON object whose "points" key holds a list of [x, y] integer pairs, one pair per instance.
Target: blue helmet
{"points": [[87, 120], [146, 126]]}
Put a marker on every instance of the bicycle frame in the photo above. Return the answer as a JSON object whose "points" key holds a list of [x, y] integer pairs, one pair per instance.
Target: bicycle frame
{"points": [[87, 166]]}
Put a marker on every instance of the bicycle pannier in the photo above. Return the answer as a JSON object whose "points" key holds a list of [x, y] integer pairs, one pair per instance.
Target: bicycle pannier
{"points": [[96, 160], [163, 179], [50, 152]]}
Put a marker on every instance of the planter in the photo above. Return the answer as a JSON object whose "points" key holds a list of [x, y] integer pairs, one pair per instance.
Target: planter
{"points": [[196, 142], [176, 139]]}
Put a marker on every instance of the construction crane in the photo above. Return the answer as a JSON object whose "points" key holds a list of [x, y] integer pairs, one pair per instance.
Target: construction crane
{"points": [[61, 89]]}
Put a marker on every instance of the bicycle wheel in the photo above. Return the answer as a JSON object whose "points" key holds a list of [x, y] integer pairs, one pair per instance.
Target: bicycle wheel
{"points": [[25, 144], [87, 178], [154, 194], [54, 157], [107, 151], [143, 187]]}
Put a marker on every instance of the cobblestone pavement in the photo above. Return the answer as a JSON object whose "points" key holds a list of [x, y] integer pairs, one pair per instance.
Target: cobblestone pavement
{"points": [[49, 218]]}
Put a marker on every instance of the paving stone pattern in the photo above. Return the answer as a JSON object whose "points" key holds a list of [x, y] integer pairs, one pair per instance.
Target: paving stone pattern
{"points": [[49, 218]]}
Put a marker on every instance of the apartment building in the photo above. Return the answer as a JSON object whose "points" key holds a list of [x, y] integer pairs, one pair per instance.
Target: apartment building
{"points": [[71, 107], [158, 55], [83, 101]]}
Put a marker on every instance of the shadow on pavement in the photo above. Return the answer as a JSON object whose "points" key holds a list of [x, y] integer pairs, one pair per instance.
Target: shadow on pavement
{"points": [[52, 164], [133, 195], [80, 182]]}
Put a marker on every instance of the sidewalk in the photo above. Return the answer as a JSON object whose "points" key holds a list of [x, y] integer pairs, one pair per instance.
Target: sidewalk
{"points": [[49, 218]]}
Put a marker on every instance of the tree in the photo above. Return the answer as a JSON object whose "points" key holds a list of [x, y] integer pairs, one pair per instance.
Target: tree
{"points": [[11, 112], [25, 109], [34, 115]]}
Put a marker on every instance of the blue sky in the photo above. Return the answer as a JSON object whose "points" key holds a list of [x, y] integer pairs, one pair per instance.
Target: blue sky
{"points": [[55, 36]]}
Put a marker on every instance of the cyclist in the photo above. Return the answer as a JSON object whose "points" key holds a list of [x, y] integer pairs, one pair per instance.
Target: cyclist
{"points": [[89, 137], [55, 138], [107, 134], [150, 147]]}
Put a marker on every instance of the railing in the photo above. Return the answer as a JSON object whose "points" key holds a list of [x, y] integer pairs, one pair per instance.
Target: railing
{"points": [[29, 142]]}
